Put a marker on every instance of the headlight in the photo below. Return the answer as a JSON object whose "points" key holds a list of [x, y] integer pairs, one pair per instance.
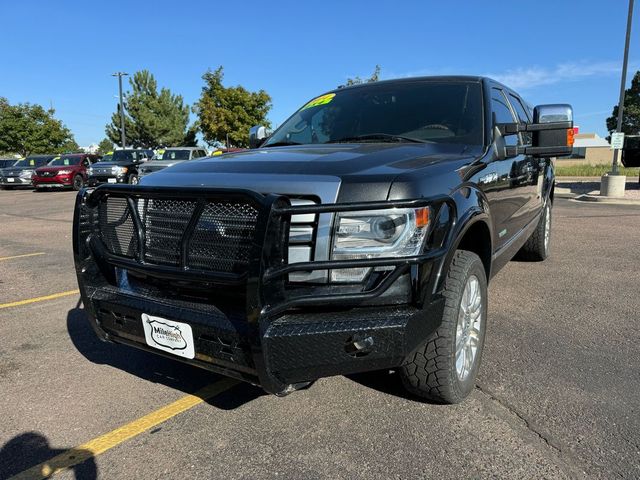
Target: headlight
{"points": [[119, 170], [397, 232], [26, 173], [64, 172]]}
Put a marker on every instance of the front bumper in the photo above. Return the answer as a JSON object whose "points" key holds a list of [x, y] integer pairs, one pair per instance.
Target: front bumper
{"points": [[94, 181], [271, 336], [15, 181], [53, 182]]}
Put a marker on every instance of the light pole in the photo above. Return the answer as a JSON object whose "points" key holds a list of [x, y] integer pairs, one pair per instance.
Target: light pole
{"points": [[614, 169], [123, 141]]}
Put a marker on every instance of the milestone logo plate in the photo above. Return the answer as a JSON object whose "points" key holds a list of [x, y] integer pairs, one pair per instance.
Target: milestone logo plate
{"points": [[168, 335]]}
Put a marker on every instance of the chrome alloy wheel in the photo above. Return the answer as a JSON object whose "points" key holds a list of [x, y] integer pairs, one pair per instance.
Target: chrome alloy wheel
{"points": [[468, 328], [547, 227]]}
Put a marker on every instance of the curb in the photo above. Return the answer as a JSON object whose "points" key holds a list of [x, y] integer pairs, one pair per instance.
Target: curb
{"points": [[564, 195], [608, 200]]}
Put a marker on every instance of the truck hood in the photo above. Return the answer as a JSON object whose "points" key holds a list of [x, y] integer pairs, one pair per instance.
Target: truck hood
{"points": [[114, 164], [327, 159], [161, 163], [363, 170]]}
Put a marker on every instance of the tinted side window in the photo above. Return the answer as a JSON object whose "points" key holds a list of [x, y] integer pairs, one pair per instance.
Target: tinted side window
{"points": [[503, 114], [523, 116]]}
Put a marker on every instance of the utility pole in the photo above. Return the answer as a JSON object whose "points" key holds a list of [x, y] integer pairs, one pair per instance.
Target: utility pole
{"points": [[623, 82], [123, 141]]}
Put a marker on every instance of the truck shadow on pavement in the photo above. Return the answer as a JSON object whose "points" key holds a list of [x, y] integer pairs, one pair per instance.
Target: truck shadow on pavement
{"points": [[384, 381], [152, 368], [31, 448]]}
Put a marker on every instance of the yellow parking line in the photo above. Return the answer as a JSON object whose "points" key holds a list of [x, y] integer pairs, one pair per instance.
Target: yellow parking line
{"points": [[22, 256], [39, 299], [109, 440]]}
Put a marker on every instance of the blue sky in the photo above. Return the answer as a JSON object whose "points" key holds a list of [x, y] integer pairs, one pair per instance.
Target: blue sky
{"points": [[63, 53]]}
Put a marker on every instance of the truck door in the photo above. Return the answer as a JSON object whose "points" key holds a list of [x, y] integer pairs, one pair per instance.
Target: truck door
{"points": [[504, 181], [532, 174]]}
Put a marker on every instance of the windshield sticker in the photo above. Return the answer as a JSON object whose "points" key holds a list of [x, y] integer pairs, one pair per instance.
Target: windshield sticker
{"points": [[32, 162], [66, 161], [321, 100]]}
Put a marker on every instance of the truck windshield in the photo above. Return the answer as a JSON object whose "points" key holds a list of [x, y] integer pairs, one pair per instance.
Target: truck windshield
{"points": [[175, 155], [415, 111], [127, 155]]}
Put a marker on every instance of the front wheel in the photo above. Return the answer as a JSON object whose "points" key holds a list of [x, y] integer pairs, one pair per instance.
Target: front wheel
{"points": [[444, 367], [537, 245], [78, 182]]}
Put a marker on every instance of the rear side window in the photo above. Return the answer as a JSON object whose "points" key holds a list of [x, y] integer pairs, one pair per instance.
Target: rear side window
{"points": [[503, 113], [522, 116]]}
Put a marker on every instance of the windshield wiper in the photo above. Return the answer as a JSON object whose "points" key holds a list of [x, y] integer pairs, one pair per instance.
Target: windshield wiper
{"points": [[283, 143], [385, 137]]}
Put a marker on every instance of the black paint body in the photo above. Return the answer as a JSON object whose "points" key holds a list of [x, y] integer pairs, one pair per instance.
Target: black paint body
{"points": [[261, 328]]}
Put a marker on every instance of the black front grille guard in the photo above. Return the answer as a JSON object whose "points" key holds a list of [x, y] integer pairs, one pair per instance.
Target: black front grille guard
{"points": [[266, 280], [268, 271]]}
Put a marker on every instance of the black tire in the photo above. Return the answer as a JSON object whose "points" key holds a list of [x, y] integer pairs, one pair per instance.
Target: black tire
{"points": [[133, 179], [78, 182], [430, 371], [536, 248]]}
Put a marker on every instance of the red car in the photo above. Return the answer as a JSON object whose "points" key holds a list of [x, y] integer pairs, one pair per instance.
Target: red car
{"points": [[64, 171]]}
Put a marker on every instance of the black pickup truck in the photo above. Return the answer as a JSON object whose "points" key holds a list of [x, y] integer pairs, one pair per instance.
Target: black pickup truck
{"points": [[359, 236]]}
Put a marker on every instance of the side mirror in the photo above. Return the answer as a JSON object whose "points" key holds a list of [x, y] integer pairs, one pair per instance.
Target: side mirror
{"points": [[257, 135], [552, 131], [554, 136]]}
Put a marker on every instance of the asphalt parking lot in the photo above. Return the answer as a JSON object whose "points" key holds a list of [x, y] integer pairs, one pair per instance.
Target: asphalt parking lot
{"points": [[558, 394]]}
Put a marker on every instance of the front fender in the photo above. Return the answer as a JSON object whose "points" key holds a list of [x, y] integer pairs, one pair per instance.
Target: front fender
{"points": [[472, 207]]}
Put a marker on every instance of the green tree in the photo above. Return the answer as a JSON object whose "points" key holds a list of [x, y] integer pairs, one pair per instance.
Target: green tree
{"points": [[105, 146], [152, 118], [375, 76], [631, 114], [229, 111], [27, 129]]}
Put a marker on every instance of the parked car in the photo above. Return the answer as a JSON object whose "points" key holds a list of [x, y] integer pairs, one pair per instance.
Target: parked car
{"points": [[631, 151], [64, 171], [361, 235], [121, 168], [169, 157], [19, 175], [221, 151], [7, 162]]}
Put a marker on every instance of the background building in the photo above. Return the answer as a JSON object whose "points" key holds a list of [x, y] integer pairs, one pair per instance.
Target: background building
{"points": [[589, 149]]}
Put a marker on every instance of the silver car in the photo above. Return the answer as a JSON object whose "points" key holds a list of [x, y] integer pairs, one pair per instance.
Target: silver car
{"points": [[169, 157]]}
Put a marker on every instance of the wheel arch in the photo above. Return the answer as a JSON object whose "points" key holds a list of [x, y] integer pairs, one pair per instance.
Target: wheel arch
{"points": [[474, 236]]}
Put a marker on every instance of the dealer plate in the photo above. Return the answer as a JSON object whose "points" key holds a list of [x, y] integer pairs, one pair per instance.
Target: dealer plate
{"points": [[111, 180], [11, 180], [168, 335]]}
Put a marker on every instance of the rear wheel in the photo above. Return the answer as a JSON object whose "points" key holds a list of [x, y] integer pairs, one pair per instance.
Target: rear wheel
{"points": [[537, 245], [78, 182], [444, 367]]}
